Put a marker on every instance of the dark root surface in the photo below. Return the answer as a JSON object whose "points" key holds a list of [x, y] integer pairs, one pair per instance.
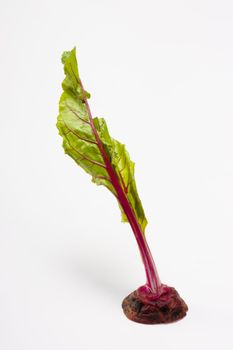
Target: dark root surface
{"points": [[166, 308]]}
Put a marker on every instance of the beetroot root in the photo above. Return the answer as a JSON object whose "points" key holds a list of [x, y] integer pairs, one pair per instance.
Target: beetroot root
{"points": [[166, 308]]}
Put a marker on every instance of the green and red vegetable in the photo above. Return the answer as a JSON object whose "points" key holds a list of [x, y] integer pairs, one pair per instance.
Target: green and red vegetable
{"points": [[88, 142]]}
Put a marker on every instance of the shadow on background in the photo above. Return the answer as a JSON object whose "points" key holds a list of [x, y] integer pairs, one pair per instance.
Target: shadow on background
{"points": [[99, 273]]}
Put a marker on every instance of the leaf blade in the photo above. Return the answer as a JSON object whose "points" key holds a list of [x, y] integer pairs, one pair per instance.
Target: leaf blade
{"points": [[81, 144]]}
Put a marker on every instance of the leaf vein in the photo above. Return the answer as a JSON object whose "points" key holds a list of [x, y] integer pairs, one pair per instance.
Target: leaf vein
{"points": [[76, 134], [76, 114], [87, 158]]}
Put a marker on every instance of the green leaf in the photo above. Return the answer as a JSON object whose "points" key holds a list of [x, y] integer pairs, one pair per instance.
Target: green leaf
{"points": [[79, 140]]}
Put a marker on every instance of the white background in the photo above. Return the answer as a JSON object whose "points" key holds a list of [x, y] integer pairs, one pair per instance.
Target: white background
{"points": [[161, 74]]}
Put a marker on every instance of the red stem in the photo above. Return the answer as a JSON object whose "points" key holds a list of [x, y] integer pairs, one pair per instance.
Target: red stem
{"points": [[153, 280]]}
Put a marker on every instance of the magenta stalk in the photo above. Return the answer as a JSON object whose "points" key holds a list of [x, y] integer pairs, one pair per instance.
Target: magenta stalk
{"points": [[153, 280]]}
